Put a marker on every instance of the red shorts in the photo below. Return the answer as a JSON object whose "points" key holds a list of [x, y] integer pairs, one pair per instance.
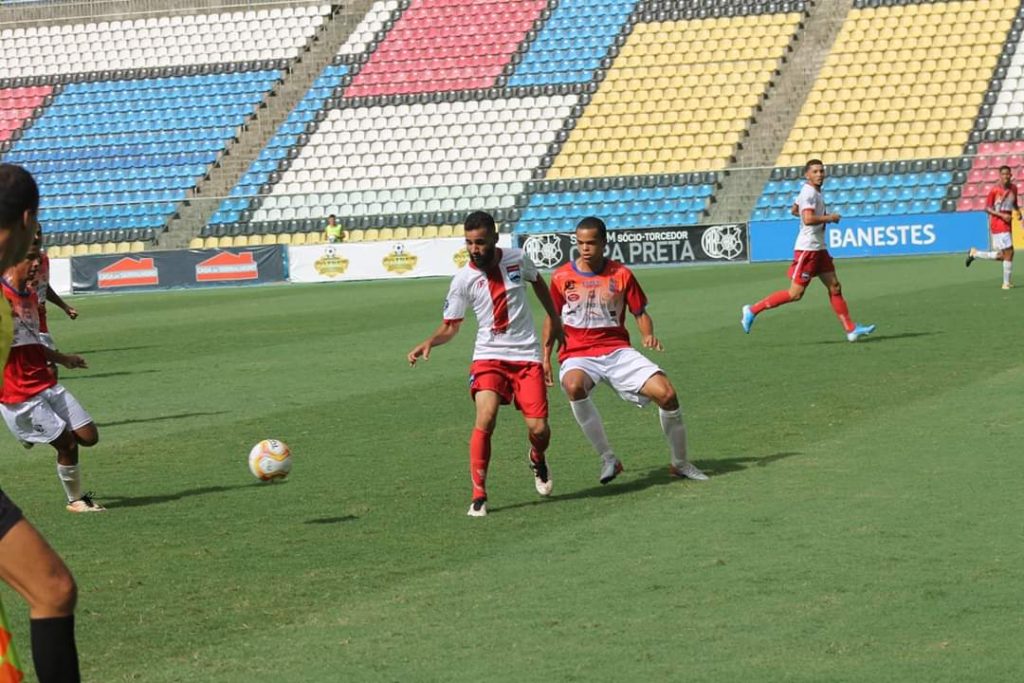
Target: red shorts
{"points": [[521, 382], [808, 265]]}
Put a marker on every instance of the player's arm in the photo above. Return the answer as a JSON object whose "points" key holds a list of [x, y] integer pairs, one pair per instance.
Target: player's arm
{"points": [[442, 335], [553, 331], [646, 325], [70, 361], [795, 210], [810, 218], [58, 301]]}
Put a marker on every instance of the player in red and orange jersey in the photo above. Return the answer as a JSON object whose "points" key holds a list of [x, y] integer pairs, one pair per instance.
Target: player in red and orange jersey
{"points": [[810, 258], [506, 364], [1000, 206], [45, 293], [35, 407], [592, 294], [27, 563]]}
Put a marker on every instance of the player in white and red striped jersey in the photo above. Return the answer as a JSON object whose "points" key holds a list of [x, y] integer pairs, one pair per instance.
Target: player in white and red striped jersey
{"points": [[506, 365], [592, 294], [810, 258]]}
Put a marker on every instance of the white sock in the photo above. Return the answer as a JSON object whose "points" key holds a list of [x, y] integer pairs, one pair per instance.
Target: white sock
{"points": [[675, 433], [1007, 271], [590, 422], [71, 479], [987, 255]]}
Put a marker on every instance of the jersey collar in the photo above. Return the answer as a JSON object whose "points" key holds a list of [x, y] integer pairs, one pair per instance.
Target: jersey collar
{"points": [[604, 267]]}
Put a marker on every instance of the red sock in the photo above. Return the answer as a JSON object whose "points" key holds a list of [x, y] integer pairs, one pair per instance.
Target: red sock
{"points": [[540, 445], [771, 301], [479, 459], [842, 312]]}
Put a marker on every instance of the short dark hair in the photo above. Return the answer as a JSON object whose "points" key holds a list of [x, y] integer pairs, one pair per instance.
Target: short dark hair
{"points": [[594, 223], [331, 216], [813, 162], [480, 219], [1006, 168], [18, 194]]}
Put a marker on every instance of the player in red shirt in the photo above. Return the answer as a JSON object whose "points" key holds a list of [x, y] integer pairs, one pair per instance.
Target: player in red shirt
{"points": [[27, 563], [506, 364], [1000, 205], [592, 294], [35, 407]]}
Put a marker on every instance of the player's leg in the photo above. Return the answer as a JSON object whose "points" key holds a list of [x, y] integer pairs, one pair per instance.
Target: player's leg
{"points": [[79, 430], [1005, 245], [487, 403], [659, 389], [578, 385], [34, 570], [531, 398], [798, 279], [842, 311]]}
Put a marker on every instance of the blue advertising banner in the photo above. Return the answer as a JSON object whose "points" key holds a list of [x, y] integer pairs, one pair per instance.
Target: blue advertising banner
{"points": [[932, 233]]}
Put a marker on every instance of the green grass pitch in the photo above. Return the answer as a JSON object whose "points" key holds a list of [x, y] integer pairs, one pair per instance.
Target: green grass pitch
{"points": [[862, 522]]}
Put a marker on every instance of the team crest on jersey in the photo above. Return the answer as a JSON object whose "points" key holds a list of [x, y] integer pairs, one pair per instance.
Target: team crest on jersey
{"points": [[573, 297], [514, 274]]}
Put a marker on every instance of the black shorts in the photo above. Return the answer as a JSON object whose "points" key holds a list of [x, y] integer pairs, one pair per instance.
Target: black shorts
{"points": [[10, 514]]}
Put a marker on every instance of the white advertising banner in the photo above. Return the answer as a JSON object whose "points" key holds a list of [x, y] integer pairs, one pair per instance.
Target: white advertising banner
{"points": [[60, 275], [398, 259]]}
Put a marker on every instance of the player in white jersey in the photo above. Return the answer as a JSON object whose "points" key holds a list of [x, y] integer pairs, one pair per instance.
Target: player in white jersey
{"points": [[810, 258], [506, 365]]}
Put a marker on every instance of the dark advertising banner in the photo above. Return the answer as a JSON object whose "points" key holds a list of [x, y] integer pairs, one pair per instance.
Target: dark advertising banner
{"points": [[180, 268], [649, 246]]}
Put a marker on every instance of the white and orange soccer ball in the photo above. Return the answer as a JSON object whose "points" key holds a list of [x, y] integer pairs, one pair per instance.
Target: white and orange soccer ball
{"points": [[270, 460]]}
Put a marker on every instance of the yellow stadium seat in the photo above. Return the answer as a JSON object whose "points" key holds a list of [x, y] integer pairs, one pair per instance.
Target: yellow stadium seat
{"points": [[138, 246], [269, 240], [401, 234], [371, 234], [354, 236], [385, 234], [80, 250], [430, 232], [225, 242], [55, 252], [445, 231], [298, 239], [196, 243], [122, 247], [210, 243], [94, 249], [108, 248], [240, 241], [283, 238], [416, 232]]}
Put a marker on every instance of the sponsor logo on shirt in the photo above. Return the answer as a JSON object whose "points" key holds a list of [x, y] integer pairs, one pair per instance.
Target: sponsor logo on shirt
{"points": [[514, 274]]}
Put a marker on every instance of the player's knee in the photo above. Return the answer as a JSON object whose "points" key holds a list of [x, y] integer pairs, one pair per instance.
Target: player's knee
{"points": [[87, 436], [575, 388], [539, 430], [58, 596], [796, 294]]}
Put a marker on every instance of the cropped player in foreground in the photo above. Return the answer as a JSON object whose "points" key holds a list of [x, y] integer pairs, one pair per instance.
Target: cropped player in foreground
{"points": [[27, 563], [506, 365], [1000, 206], [592, 295], [35, 407], [810, 258]]}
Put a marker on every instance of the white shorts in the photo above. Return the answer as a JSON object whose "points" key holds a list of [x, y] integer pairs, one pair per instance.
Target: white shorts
{"points": [[625, 370], [1002, 240], [45, 416]]}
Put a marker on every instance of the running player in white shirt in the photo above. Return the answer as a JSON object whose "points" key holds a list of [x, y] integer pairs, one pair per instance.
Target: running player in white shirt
{"points": [[506, 365], [810, 258]]}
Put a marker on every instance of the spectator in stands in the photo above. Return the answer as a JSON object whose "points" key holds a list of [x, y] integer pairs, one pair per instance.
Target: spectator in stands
{"points": [[332, 231]]}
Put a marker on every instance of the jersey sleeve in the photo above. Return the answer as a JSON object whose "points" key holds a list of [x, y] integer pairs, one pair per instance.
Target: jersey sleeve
{"points": [[634, 295], [557, 296], [990, 200], [1015, 197], [456, 302], [805, 200], [530, 272]]}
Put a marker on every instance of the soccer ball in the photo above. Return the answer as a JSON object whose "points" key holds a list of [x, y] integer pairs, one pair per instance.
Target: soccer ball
{"points": [[270, 459]]}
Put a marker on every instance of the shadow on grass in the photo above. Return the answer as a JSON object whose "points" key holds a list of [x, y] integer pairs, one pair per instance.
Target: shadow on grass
{"points": [[657, 476], [121, 348], [142, 501], [101, 375], [876, 338], [332, 520], [161, 418]]}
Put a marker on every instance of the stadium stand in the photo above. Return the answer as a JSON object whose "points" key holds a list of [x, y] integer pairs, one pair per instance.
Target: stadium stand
{"points": [[894, 107], [119, 120]]}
